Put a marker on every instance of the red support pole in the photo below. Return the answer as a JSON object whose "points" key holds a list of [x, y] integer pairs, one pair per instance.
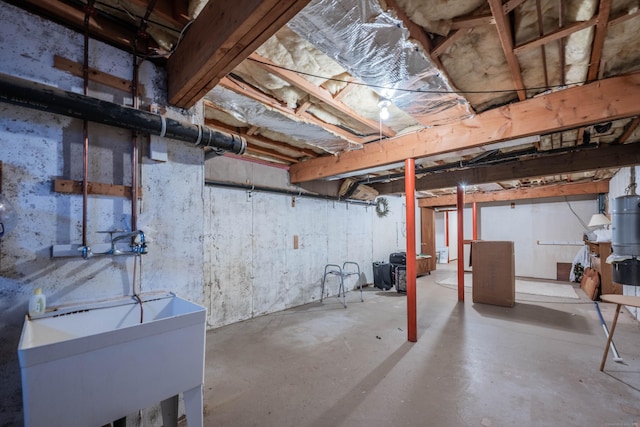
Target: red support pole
{"points": [[460, 205], [409, 189], [474, 211]]}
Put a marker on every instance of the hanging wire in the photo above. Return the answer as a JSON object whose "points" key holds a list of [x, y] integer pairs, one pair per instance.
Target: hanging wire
{"points": [[543, 88]]}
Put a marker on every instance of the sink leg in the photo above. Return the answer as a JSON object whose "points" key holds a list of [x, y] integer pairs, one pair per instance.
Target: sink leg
{"points": [[193, 406], [170, 411]]}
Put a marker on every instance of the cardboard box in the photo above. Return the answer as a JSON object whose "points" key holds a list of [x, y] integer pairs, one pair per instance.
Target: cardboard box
{"points": [[494, 272]]}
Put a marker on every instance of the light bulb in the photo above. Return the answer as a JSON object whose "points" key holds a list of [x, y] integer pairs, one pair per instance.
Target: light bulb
{"points": [[384, 113]]}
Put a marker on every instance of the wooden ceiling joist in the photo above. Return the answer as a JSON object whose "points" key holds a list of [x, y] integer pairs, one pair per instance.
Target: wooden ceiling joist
{"points": [[578, 161], [472, 21], [254, 149], [503, 27], [258, 138], [252, 93], [174, 12], [628, 131], [100, 28], [445, 44], [555, 35], [557, 190], [223, 35], [598, 39], [319, 93], [608, 99]]}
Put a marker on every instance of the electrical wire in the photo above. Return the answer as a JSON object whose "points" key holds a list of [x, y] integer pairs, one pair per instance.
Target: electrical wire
{"points": [[574, 212], [542, 88]]}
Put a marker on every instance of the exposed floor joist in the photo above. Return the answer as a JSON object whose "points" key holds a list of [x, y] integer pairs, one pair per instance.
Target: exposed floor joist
{"points": [[503, 27], [605, 100], [244, 89], [319, 93], [598, 39], [100, 28], [221, 37], [577, 161], [557, 190]]}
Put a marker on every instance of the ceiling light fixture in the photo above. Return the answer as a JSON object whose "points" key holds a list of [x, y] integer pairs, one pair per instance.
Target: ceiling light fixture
{"points": [[384, 104]]}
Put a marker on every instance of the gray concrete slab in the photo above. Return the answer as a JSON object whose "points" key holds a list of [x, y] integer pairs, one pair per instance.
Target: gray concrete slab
{"points": [[536, 364]]}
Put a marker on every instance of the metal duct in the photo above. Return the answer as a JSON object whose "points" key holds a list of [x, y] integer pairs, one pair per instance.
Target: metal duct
{"points": [[37, 96], [373, 45]]}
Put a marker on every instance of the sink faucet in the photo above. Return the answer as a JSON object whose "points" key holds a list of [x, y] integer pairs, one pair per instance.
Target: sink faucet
{"points": [[135, 248]]}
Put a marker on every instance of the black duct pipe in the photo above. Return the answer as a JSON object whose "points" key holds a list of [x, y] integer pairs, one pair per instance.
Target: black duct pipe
{"points": [[41, 97], [246, 187]]}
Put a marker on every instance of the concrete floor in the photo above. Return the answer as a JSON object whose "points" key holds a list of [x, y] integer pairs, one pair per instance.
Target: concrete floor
{"points": [[536, 364]]}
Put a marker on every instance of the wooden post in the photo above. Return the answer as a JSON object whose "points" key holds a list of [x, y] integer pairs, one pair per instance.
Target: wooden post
{"points": [[460, 204], [410, 179], [475, 220]]}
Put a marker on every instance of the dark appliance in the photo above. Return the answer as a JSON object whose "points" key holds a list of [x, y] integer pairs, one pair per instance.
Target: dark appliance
{"points": [[382, 275]]}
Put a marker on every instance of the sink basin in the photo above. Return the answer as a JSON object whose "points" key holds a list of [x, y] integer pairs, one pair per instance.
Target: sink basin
{"points": [[90, 365]]}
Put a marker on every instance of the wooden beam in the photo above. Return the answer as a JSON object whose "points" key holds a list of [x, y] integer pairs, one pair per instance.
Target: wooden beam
{"points": [[628, 131], [541, 192], [252, 93], [604, 100], [506, 40], [100, 28], [578, 161], [75, 187], [317, 92], [598, 39], [449, 41], [510, 5], [174, 12], [620, 19], [222, 36], [227, 128], [106, 79], [555, 35], [254, 149], [345, 90], [472, 21]]}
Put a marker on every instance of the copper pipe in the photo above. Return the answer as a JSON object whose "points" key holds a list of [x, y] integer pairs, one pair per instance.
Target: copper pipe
{"points": [[460, 205], [409, 187], [134, 150], [136, 105], [85, 126]]}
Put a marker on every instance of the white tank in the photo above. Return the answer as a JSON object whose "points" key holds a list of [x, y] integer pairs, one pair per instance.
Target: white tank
{"points": [[625, 225]]}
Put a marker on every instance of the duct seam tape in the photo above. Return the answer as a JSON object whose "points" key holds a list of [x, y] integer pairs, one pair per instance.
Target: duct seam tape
{"points": [[199, 135], [163, 130], [210, 137]]}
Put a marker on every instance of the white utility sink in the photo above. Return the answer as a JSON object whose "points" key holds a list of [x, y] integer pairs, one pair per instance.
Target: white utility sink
{"points": [[90, 365]]}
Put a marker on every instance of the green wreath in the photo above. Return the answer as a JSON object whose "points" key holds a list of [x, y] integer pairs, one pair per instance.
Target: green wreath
{"points": [[382, 207]]}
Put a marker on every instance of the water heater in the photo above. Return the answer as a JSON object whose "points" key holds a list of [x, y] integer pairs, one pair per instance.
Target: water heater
{"points": [[625, 240]]}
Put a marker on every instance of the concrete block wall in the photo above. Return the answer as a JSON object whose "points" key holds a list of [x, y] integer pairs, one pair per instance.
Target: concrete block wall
{"points": [[251, 265]]}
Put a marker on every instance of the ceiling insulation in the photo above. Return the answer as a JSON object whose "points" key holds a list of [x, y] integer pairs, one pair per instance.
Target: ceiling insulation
{"points": [[296, 132], [312, 89], [374, 46]]}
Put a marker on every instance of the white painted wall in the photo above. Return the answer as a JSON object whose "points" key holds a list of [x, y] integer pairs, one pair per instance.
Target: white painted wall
{"points": [[527, 223], [251, 266], [531, 221], [617, 187]]}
